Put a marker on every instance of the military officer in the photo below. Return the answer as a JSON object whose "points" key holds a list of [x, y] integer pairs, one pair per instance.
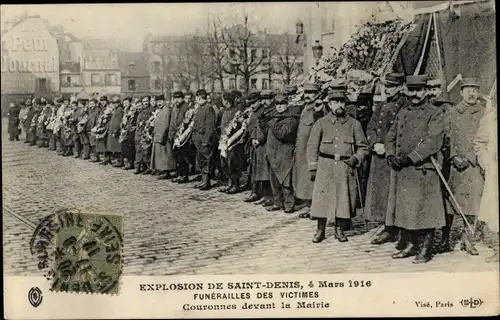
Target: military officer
{"points": [[204, 137], [415, 195], [128, 146], [141, 160], [466, 181], [179, 109], [379, 173], [13, 116], [113, 144], [336, 146], [94, 114], [313, 111], [163, 159], [280, 132]]}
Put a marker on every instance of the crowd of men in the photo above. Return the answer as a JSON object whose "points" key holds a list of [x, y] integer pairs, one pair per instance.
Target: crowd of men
{"points": [[308, 148]]}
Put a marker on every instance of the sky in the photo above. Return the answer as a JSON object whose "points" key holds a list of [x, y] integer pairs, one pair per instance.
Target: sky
{"points": [[134, 21]]}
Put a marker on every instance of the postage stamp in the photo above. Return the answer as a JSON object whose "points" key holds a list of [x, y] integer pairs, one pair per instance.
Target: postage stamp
{"points": [[80, 252]]}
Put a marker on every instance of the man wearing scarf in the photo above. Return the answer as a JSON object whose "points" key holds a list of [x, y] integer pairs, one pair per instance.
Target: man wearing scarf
{"points": [[313, 111], [113, 145], [182, 154], [141, 161], [415, 197], [379, 177], [336, 146], [95, 112], [279, 135], [204, 137]]}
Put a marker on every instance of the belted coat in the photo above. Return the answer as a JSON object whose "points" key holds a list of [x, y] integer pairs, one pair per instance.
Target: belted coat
{"points": [[415, 196], [335, 189]]}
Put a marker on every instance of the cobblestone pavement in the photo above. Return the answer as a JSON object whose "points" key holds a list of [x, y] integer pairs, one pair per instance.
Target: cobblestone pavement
{"points": [[176, 229]]}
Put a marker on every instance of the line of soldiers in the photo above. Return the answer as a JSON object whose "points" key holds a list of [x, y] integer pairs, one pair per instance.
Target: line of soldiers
{"points": [[315, 150]]}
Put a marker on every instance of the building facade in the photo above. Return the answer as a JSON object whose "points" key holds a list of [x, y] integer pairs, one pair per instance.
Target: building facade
{"points": [[134, 73], [100, 71]]}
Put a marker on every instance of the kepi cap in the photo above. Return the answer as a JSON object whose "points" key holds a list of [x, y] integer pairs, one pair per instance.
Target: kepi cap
{"points": [[311, 87], [177, 94], [469, 82], [160, 97], [393, 79], [266, 94], [201, 93], [281, 99], [336, 94], [419, 81], [434, 83], [289, 90]]}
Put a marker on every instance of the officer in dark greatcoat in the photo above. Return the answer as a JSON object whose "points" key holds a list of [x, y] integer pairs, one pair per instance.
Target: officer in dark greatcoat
{"points": [[13, 116], [312, 111], [29, 118], [181, 154], [415, 197], [113, 144], [204, 137], [378, 181], [280, 145]]}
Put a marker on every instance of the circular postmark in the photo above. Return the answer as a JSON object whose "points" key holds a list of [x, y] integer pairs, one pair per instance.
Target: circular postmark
{"points": [[79, 252]]}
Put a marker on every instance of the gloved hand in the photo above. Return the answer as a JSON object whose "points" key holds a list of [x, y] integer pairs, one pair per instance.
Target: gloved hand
{"points": [[460, 163], [404, 161], [313, 175], [393, 163], [352, 162]]}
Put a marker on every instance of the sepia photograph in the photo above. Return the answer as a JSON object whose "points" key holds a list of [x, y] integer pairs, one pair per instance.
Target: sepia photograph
{"points": [[217, 152]]}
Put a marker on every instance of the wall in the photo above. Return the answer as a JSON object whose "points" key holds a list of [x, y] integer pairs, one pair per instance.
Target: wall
{"points": [[29, 54], [102, 88], [141, 85]]}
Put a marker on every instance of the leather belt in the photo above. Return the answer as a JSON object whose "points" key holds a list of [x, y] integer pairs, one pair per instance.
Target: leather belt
{"points": [[336, 156]]}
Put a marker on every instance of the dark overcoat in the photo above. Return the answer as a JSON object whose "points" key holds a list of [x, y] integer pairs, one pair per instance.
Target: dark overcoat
{"points": [[204, 130], [13, 116], [140, 123], [94, 114], [462, 122], [27, 125], [335, 189], [415, 199], [259, 167], [113, 144], [377, 191], [302, 185]]}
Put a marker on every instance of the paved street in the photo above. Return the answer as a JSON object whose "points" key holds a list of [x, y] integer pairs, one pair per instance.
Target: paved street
{"points": [[176, 229]]}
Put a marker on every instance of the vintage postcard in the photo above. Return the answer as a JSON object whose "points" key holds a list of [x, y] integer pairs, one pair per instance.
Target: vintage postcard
{"points": [[235, 160]]}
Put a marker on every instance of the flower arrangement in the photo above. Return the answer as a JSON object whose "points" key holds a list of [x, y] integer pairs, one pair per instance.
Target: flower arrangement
{"points": [[235, 130], [185, 128], [83, 121], [67, 122], [147, 133], [127, 125], [101, 128]]}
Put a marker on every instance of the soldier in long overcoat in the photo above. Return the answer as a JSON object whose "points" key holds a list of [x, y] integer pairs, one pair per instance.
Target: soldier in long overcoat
{"points": [[27, 123], [281, 133], [162, 158], [204, 137], [75, 135], [128, 129], [415, 195], [262, 193], [232, 163], [101, 143], [466, 181], [141, 163], [37, 104], [94, 114], [181, 154], [13, 116], [113, 144], [82, 123], [336, 146], [377, 193], [313, 111]]}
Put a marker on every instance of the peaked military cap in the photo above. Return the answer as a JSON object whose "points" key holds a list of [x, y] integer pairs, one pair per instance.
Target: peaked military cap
{"points": [[115, 99], [103, 98], [178, 94], [94, 100], [434, 83], [253, 97], [419, 81], [469, 82], [127, 98], [289, 90], [336, 94], [201, 93], [58, 100], [160, 97], [393, 79], [311, 87], [281, 99]]}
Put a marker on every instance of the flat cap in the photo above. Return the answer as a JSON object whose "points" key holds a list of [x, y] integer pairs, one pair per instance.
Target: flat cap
{"points": [[280, 99], [470, 82], [419, 81], [58, 100], [201, 93], [393, 79], [336, 94], [178, 94], [434, 83], [103, 98], [253, 97], [160, 97], [311, 87], [127, 98]]}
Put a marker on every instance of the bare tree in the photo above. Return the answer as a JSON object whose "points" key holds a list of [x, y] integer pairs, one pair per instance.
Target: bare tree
{"points": [[286, 56], [216, 53]]}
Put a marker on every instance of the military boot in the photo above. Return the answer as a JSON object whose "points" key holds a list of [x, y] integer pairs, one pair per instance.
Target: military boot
{"points": [[339, 234], [424, 254], [388, 235], [235, 186], [404, 238], [228, 186], [139, 169], [411, 240], [444, 245], [320, 232], [205, 179]]}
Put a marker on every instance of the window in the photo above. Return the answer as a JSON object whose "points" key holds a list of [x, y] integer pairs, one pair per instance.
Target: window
{"points": [[265, 84], [110, 79], [157, 84], [95, 79], [68, 80], [131, 85], [232, 84], [253, 84], [42, 85]]}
